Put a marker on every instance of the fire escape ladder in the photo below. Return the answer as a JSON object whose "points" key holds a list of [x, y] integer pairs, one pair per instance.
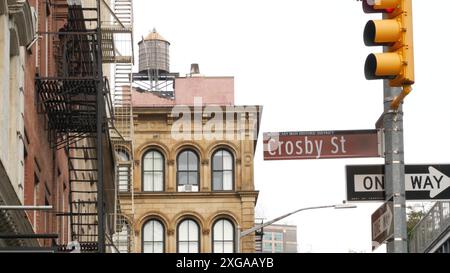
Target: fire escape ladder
{"points": [[77, 105], [118, 41]]}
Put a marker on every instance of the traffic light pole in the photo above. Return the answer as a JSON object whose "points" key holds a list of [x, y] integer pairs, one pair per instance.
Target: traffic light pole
{"points": [[395, 169]]}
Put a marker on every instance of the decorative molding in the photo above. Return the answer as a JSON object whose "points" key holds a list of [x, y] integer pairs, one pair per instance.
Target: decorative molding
{"points": [[239, 161], [248, 160], [26, 24], [205, 162], [206, 231], [171, 232], [137, 163], [171, 162]]}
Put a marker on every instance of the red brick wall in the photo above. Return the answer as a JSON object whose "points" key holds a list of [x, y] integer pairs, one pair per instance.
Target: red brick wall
{"points": [[49, 165]]}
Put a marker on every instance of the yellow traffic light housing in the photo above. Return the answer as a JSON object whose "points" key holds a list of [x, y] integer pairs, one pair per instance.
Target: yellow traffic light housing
{"points": [[395, 32]]}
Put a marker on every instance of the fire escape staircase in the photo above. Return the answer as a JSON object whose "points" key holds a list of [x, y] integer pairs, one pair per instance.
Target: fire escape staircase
{"points": [[117, 45], [76, 103], [79, 109]]}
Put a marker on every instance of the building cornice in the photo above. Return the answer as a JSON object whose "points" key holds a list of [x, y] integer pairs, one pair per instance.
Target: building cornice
{"points": [[189, 195]]}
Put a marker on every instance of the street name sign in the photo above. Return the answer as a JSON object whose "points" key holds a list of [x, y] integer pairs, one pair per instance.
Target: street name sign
{"points": [[382, 225], [322, 145], [422, 182]]}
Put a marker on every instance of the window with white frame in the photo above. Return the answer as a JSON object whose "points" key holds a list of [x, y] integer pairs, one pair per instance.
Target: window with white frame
{"points": [[153, 172], [123, 170], [223, 236], [188, 237], [153, 237], [223, 171], [188, 172]]}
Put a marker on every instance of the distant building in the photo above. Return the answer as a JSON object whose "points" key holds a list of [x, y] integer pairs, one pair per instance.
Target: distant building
{"points": [[279, 239], [186, 193]]}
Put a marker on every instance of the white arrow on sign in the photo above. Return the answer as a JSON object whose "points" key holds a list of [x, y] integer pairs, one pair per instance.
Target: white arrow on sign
{"points": [[434, 182]]}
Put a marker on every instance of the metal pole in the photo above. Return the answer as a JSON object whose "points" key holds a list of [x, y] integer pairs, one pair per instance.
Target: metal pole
{"points": [[250, 231], [395, 169], [28, 236], [100, 120], [31, 208]]}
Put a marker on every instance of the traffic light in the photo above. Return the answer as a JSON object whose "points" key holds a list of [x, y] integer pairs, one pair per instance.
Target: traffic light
{"points": [[395, 32]]}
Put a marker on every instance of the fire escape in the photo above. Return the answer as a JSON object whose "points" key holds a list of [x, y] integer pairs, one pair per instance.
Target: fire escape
{"points": [[78, 107], [117, 36]]}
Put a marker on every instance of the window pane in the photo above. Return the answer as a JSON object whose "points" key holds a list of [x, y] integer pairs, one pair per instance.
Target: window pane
{"points": [[228, 230], [278, 248], [228, 247], [193, 178], [227, 180], [218, 247], [158, 247], [148, 162], [217, 161], [148, 181], [278, 236], [183, 231], [193, 161], [158, 181], [158, 232], [183, 247], [193, 247], [193, 231], [153, 237], [268, 246], [148, 231], [158, 164], [227, 161], [183, 161], [148, 247], [182, 178], [157, 156], [218, 231], [217, 181]]}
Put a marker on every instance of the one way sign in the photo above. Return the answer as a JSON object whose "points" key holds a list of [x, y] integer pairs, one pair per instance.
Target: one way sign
{"points": [[422, 182]]}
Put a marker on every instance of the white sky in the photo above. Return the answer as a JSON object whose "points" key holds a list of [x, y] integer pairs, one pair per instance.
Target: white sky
{"points": [[303, 61]]}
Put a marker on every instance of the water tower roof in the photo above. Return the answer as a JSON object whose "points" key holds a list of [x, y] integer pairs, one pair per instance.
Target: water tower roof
{"points": [[155, 36]]}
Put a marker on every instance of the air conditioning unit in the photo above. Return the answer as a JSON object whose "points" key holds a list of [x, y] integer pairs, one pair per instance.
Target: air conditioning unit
{"points": [[188, 188]]}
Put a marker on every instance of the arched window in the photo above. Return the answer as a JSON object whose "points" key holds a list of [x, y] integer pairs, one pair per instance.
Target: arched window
{"points": [[188, 237], [153, 171], [222, 171], [223, 236], [188, 172], [123, 170], [153, 237]]}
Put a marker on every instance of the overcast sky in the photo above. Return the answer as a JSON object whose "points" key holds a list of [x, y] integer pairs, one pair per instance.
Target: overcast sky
{"points": [[303, 61]]}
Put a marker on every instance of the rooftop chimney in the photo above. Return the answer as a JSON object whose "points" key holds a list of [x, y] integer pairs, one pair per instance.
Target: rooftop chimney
{"points": [[195, 70]]}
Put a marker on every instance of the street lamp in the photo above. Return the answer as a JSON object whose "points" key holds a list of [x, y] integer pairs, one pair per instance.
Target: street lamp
{"points": [[250, 231]]}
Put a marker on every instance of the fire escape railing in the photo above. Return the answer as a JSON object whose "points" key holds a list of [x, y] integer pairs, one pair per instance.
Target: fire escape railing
{"points": [[118, 50], [77, 107]]}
